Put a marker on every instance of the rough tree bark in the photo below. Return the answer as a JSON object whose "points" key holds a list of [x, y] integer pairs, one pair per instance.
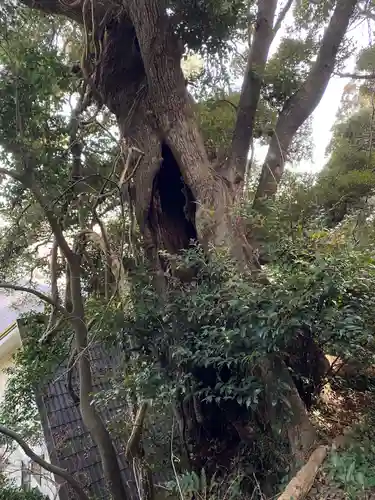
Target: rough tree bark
{"points": [[300, 105]]}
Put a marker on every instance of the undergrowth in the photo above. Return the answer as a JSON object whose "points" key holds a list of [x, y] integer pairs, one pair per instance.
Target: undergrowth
{"points": [[353, 469]]}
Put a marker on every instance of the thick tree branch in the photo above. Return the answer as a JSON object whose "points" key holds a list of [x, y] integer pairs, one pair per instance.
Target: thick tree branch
{"points": [[247, 107], [46, 465], [71, 362], [53, 222], [280, 18], [13, 174], [71, 9], [300, 106]]}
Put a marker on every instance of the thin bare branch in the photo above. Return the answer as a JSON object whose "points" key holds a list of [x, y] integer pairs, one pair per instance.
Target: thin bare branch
{"points": [[46, 465], [12, 173], [32, 291], [104, 233], [50, 332], [367, 13], [72, 186], [52, 219], [113, 261], [357, 76], [136, 435], [125, 177], [227, 101]]}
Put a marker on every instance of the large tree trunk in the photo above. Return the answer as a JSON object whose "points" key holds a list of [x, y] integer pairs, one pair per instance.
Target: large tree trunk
{"points": [[162, 125], [295, 423]]}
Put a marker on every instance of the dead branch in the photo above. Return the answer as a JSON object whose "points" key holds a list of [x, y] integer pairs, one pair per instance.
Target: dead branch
{"points": [[108, 180], [125, 177], [357, 76], [113, 261], [103, 230], [136, 435], [46, 465], [301, 484], [50, 332]]}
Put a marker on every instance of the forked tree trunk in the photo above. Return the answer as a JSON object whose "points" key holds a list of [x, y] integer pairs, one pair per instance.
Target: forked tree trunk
{"points": [[163, 127], [139, 77]]}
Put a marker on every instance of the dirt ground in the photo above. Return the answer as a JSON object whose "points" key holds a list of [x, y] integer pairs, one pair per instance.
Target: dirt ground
{"points": [[337, 411]]}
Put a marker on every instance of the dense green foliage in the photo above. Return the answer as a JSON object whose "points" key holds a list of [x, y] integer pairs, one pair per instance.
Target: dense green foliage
{"points": [[33, 367], [10, 492], [353, 470]]}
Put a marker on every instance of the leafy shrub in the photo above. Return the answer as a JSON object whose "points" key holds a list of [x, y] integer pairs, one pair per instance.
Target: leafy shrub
{"points": [[13, 493], [353, 469]]}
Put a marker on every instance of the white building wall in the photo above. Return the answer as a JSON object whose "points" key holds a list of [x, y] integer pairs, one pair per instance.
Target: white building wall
{"points": [[17, 461]]}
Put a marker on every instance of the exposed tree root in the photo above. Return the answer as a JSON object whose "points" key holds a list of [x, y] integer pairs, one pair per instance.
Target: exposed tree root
{"points": [[301, 484]]}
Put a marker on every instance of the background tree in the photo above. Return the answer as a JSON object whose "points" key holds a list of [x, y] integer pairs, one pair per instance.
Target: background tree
{"points": [[347, 181]]}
